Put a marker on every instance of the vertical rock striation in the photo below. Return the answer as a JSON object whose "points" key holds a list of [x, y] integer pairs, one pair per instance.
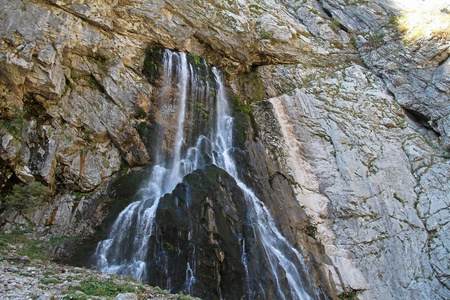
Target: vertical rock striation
{"points": [[350, 155]]}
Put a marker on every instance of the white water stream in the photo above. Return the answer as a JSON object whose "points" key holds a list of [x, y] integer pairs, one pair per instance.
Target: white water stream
{"points": [[125, 251]]}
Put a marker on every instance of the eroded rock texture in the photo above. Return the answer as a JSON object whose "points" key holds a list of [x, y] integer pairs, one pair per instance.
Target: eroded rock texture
{"points": [[351, 107]]}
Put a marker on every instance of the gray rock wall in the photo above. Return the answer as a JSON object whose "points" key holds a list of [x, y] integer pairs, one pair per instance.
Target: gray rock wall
{"points": [[347, 145]]}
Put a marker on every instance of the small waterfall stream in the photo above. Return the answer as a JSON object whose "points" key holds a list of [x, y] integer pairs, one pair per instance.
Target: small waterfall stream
{"points": [[125, 251]]}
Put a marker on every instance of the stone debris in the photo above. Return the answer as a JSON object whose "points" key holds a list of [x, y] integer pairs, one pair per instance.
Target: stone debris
{"points": [[22, 278]]}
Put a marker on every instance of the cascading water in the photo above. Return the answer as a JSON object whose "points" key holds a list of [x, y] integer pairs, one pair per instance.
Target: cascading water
{"points": [[126, 250]]}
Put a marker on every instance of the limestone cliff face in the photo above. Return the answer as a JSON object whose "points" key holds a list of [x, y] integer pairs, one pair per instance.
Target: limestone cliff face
{"points": [[353, 110]]}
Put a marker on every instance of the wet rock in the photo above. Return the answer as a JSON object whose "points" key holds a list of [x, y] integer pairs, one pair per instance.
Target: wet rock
{"points": [[204, 219]]}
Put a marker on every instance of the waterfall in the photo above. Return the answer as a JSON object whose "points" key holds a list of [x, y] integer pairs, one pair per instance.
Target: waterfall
{"points": [[278, 250], [125, 251], [132, 229]]}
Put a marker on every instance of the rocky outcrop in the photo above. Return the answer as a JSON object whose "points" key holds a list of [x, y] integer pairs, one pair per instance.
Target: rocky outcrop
{"points": [[70, 108], [203, 27], [24, 278], [354, 115], [69, 218], [410, 55]]}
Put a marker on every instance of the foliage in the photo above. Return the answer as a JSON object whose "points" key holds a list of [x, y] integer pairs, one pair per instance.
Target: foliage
{"points": [[337, 44], [311, 231], [352, 42], [252, 87], [256, 9], [356, 2], [376, 39], [15, 123], [58, 240], [241, 107], [31, 247], [47, 281], [141, 113], [397, 197], [153, 57], [182, 297], [84, 150], [81, 194], [88, 134], [103, 66], [72, 296], [94, 287], [348, 295], [49, 272], [266, 35], [197, 59], [335, 25], [26, 197], [93, 84], [244, 120], [147, 132]]}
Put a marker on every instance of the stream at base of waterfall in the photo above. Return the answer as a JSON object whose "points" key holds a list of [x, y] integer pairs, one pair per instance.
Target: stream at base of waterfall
{"points": [[195, 226]]}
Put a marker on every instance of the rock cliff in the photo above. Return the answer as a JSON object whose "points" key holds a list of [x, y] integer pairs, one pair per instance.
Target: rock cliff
{"points": [[349, 99]]}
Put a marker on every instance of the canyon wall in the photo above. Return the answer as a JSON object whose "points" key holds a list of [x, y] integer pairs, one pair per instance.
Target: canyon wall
{"points": [[348, 99]]}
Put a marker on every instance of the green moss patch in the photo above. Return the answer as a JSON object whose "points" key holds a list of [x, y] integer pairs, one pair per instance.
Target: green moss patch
{"points": [[152, 67]]}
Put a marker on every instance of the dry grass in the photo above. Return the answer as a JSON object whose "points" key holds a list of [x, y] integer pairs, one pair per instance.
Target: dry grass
{"points": [[418, 24]]}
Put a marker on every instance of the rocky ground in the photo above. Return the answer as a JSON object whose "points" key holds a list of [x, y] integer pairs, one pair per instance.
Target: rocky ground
{"points": [[25, 273]]}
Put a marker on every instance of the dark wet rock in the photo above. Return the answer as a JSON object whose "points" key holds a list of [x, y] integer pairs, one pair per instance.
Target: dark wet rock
{"points": [[201, 223]]}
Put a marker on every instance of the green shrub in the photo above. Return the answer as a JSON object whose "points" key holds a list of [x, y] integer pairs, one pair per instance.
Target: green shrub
{"points": [[197, 59], [78, 194], [335, 25], [47, 281], [49, 272], [93, 84], [349, 295], [311, 231], [352, 42], [30, 247], [75, 297], [152, 67], [26, 197], [141, 113], [94, 287], [15, 123]]}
